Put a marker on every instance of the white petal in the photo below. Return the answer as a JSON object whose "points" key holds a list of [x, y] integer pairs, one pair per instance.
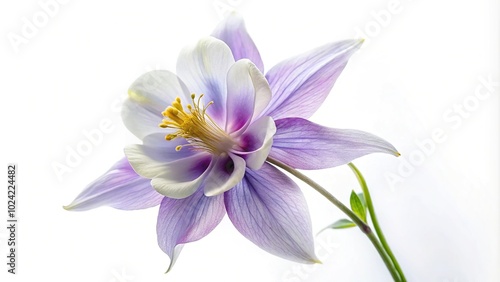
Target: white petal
{"points": [[158, 141], [148, 96], [256, 142], [203, 68], [178, 189], [248, 94], [149, 161], [225, 173]]}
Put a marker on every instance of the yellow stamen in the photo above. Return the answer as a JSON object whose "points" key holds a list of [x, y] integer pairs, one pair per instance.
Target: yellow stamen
{"points": [[195, 126]]}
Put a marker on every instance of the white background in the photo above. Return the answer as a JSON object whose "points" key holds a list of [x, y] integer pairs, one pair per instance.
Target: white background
{"points": [[420, 58]]}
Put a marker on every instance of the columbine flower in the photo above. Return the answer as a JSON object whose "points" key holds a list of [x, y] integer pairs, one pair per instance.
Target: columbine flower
{"points": [[208, 131]]}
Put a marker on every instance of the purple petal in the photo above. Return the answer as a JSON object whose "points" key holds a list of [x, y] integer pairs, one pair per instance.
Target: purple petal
{"points": [[302, 144], [120, 188], [204, 68], [301, 84], [248, 94], [232, 31], [269, 209], [187, 220]]}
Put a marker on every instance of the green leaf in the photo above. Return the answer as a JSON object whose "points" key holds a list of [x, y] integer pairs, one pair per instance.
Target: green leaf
{"points": [[357, 206], [342, 223], [363, 201], [339, 224]]}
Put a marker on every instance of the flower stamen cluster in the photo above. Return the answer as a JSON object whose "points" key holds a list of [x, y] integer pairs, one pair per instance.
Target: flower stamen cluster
{"points": [[196, 126]]}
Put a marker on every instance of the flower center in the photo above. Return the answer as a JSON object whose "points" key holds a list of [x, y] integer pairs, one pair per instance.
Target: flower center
{"points": [[196, 126]]}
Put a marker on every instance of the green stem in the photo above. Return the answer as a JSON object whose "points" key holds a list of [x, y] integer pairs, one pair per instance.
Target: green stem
{"points": [[373, 216], [362, 225]]}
